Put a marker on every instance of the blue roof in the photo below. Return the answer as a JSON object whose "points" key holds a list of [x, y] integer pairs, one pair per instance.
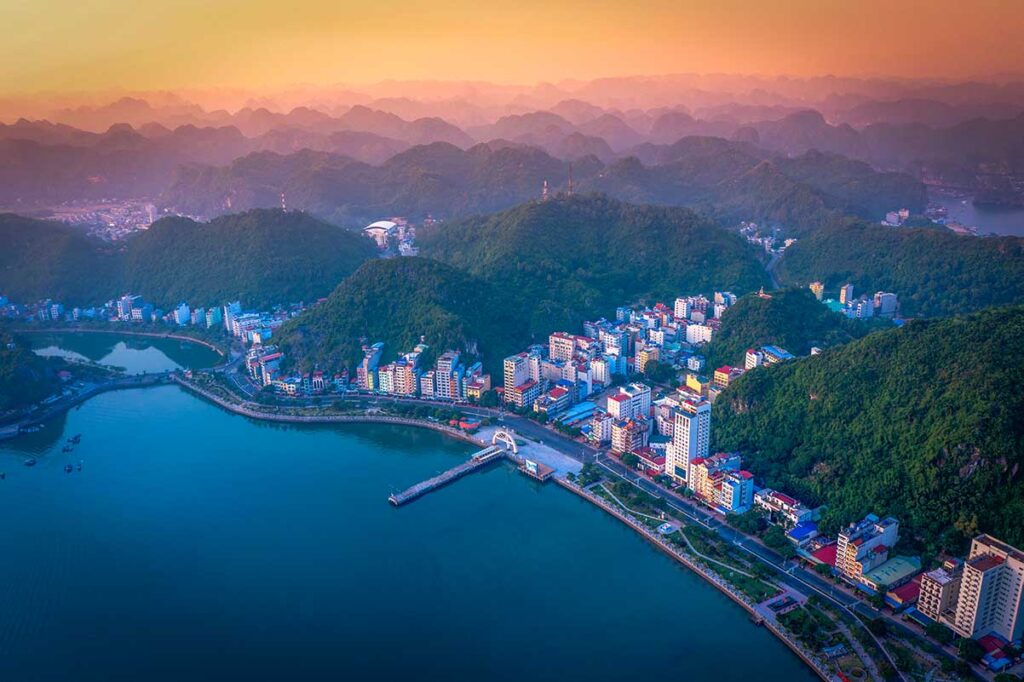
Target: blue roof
{"points": [[803, 530]]}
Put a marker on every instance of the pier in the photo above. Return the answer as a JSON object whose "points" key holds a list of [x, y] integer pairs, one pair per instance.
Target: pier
{"points": [[478, 460]]}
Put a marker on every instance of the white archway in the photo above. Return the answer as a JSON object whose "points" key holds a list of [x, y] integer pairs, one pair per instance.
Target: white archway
{"points": [[508, 438]]}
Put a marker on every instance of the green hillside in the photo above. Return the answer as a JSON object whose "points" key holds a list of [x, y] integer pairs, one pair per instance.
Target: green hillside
{"points": [[922, 422], [791, 318], [43, 259], [398, 301], [261, 257], [568, 259], [25, 377], [934, 272]]}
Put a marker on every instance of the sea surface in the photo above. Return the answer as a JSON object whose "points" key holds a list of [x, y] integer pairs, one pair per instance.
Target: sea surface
{"points": [[1001, 221], [198, 545], [136, 354]]}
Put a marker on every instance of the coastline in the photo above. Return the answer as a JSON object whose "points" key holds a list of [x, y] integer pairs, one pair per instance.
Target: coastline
{"points": [[723, 587], [126, 332], [145, 381]]}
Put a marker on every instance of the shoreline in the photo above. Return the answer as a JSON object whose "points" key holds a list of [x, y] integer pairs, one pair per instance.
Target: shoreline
{"points": [[641, 529], [122, 332]]}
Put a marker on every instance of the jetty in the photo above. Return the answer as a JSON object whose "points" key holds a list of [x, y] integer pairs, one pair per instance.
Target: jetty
{"points": [[478, 460]]}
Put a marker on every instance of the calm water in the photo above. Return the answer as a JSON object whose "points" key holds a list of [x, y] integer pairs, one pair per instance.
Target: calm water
{"points": [[137, 354], [199, 545], [1003, 221]]}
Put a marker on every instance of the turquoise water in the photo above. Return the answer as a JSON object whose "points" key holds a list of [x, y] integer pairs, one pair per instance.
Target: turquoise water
{"points": [[137, 354], [199, 545]]}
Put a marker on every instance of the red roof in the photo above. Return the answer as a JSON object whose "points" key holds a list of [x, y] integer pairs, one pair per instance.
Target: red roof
{"points": [[558, 392], [991, 643], [724, 369], [880, 549], [907, 593], [619, 397], [745, 474], [526, 385], [826, 554], [785, 499]]}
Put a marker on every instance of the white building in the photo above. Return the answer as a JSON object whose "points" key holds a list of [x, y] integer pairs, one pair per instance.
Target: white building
{"points": [[991, 598], [691, 438]]}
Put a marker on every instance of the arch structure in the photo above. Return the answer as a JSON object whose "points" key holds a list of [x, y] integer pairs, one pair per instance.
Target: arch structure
{"points": [[507, 438]]}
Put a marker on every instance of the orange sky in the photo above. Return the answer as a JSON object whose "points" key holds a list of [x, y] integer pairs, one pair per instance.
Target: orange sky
{"points": [[75, 45]]}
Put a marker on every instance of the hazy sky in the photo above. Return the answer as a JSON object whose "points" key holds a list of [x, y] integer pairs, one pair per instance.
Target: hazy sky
{"points": [[73, 45]]}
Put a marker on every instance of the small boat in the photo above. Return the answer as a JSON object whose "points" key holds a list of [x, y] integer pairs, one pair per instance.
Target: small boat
{"points": [[68, 468], [30, 462], [79, 465], [67, 448], [2, 475], [76, 439]]}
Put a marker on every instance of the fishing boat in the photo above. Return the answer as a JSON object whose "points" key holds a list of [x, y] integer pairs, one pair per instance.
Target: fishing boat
{"points": [[30, 462]]}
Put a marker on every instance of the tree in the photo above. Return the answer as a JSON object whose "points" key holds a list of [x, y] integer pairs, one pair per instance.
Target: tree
{"points": [[630, 460], [970, 650], [878, 627], [775, 538], [749, 522], [940, 633]]}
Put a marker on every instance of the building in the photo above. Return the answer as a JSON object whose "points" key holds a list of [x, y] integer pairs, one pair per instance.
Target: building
{"points": [[774, 355], [782, 508], [846, 294], [991, 599], [753, 358], [818, 289], [601, 427], [448, 376], [865, 546], [646, 352], [182, 315], [940, 590], [885, 304], [735, 494], [366, 372], [214, 317], [427, 384], [691, 438], [523, 395], [697, 334], [554, 401], [707, 474], [382, 232], [629, 435], [230, 311], [725, 374]]}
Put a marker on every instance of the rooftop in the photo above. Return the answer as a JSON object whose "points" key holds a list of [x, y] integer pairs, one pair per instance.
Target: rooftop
{"points": [[895, 570]]}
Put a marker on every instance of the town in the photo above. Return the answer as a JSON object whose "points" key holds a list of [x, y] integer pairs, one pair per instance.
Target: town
{"points": [[636, 388]]}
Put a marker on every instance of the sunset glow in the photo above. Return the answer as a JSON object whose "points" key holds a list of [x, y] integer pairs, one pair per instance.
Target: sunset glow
{"points": [[65, 46]]}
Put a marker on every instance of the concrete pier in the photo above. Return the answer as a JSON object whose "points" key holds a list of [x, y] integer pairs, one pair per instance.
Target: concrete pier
{"points": [[480, 459]]}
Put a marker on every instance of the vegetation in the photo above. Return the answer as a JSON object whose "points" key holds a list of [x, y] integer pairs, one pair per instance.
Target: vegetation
{"points": [[568, 259], [400, 301], [42, 259], [792, 319], [934, 272], [921, 422], [261, 257], [25, 378]]}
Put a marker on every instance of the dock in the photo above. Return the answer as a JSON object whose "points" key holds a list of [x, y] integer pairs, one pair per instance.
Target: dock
{"points": [[478, 460]]}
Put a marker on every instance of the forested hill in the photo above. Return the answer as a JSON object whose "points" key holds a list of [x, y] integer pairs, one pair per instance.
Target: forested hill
{"points": [[934, 272], [25, 377], [922, 422], [790, 318], [41, 259], [262, 257], [571, 258], [398, 301]]}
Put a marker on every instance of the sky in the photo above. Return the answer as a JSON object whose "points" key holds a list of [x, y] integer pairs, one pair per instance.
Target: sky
{"points": [[81, 45]]}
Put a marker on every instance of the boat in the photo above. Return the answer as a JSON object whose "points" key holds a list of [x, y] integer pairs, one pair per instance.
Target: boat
{"points": [[67, 448], [2, 475], [30, 462], [67, 468], [76, 439], [79, 465]]}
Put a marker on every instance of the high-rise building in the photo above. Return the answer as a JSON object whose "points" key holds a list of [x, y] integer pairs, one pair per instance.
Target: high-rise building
{"points": [[447, 377], [885, 304], [846, 294], [366, 372], [681, 309], [691, 438], [752, 359], [182, 314], [516, 372], [561, 346], [230, 311], [940, 590], [818, 289], [991, 598]]}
